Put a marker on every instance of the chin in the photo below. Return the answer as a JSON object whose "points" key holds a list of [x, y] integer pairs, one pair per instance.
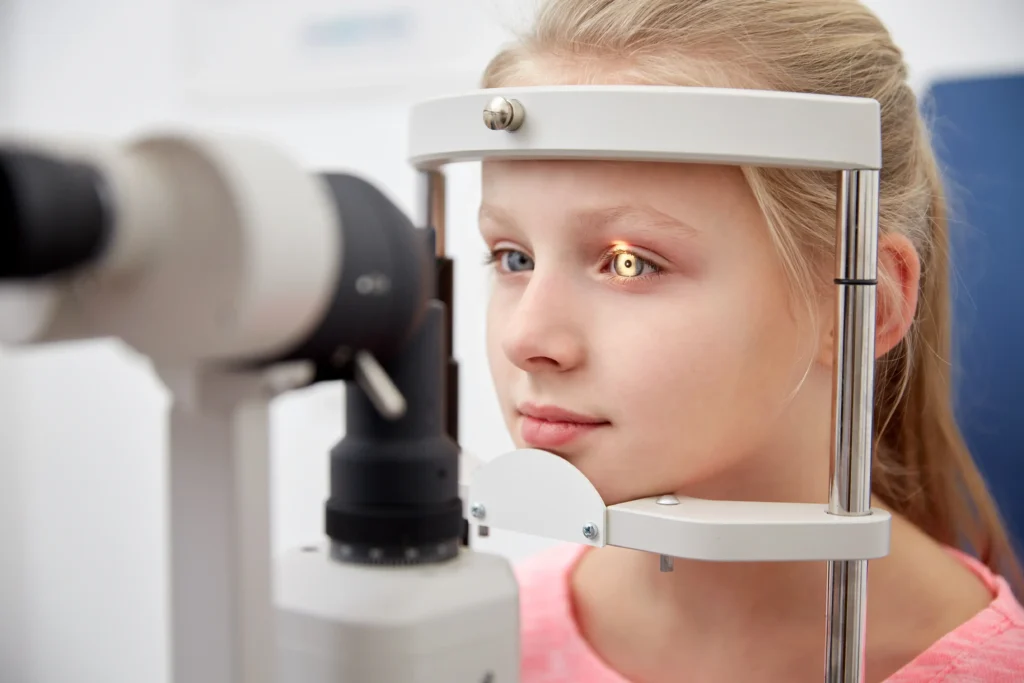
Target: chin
{"points": [[612, 484]]}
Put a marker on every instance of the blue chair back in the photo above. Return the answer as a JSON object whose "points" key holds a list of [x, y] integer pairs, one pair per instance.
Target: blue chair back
{"points": [[979, 133]]}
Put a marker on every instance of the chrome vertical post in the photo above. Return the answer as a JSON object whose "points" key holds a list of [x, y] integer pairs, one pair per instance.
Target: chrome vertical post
{"points": [[433, 192], [432, 205], [852, 413]]}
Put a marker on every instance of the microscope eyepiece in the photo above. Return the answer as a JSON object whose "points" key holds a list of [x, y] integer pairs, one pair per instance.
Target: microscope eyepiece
{"points": [[53, 217]]}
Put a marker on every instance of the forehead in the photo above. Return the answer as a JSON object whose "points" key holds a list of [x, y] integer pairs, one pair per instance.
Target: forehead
{"points": [[697, 191], [500, 174]]}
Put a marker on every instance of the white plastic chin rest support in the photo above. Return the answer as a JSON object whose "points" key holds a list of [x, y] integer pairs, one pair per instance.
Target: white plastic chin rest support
{"points": [[536, 492]]}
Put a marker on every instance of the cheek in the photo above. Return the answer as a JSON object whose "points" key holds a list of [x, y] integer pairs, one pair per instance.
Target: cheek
{"points": [[498, 312], [670, 359], [703, 372]]}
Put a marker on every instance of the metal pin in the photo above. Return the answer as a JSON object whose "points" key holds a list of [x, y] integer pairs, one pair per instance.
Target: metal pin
{"points": [[668, 499], [379, 388], [503, 114], [666, 563]]}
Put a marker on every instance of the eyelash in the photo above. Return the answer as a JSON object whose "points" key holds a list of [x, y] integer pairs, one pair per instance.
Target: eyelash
{"points": [[494, 257]]}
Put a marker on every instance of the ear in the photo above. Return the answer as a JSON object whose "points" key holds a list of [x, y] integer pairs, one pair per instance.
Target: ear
{"points": [[899, 279]]}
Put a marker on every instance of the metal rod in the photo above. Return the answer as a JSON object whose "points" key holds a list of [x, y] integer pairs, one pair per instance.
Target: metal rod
{"points": [[432, 205], [433, 194], [852, 414]]}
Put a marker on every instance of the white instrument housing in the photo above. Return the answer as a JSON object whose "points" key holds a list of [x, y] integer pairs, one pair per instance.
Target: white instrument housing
{"points": [[340, 623], [224, 249]]}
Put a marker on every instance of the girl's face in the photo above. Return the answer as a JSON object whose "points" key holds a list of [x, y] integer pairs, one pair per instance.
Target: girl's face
{"points": [[648, 301]]}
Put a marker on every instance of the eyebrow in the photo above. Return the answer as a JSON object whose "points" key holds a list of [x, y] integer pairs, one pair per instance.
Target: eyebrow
{"points": [[604, 218]]}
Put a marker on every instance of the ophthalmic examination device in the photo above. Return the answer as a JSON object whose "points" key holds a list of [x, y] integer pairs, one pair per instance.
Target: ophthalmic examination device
{"points": [[241, 275]]}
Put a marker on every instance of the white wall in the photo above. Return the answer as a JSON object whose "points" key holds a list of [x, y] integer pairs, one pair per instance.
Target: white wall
{"points": [[940, 38], [6, 56], [82, 525]]}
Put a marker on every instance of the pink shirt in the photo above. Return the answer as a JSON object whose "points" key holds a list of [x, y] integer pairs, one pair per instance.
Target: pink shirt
{"points": [[989, 648]]}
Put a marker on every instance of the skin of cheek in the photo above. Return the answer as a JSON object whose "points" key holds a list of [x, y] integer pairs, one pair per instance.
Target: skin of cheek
{"points": [[693, 376]]}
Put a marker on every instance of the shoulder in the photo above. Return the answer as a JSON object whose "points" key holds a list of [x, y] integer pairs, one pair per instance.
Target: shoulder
{"points": [[989, 648]]}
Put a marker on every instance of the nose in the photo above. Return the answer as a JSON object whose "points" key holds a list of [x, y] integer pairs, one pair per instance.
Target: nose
{"points": [[541, 332]]}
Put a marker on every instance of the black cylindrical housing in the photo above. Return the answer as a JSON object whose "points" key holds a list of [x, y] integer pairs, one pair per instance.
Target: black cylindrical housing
{"points": [[53, 215], [394, 483], [386, 277]]}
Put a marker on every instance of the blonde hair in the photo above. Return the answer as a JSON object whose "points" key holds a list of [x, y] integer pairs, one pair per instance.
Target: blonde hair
{"points": [[923, 469]]}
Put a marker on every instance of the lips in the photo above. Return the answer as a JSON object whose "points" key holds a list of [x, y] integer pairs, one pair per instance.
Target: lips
{"points": [[548, 427]]}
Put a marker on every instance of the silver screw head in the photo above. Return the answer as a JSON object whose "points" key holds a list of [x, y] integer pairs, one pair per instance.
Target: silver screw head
{"points": [[590, 531], [503, 114], [478, 511]]}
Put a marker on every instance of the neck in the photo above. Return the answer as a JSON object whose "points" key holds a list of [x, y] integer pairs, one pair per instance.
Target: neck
{"points": [[763, 621], [734, 597], [705, 604]]}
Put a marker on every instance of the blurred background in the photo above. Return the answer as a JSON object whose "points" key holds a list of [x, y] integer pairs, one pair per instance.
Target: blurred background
{"points": [[82, 456]]}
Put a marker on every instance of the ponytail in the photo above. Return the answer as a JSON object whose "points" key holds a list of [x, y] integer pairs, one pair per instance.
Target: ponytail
{"points": [[924, 469]]}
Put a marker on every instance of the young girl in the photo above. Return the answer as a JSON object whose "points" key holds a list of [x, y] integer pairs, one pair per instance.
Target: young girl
{"points": [[669, 328]]}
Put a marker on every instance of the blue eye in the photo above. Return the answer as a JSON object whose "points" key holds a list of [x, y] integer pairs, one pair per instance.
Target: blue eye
{"points": [[512, 260]]}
